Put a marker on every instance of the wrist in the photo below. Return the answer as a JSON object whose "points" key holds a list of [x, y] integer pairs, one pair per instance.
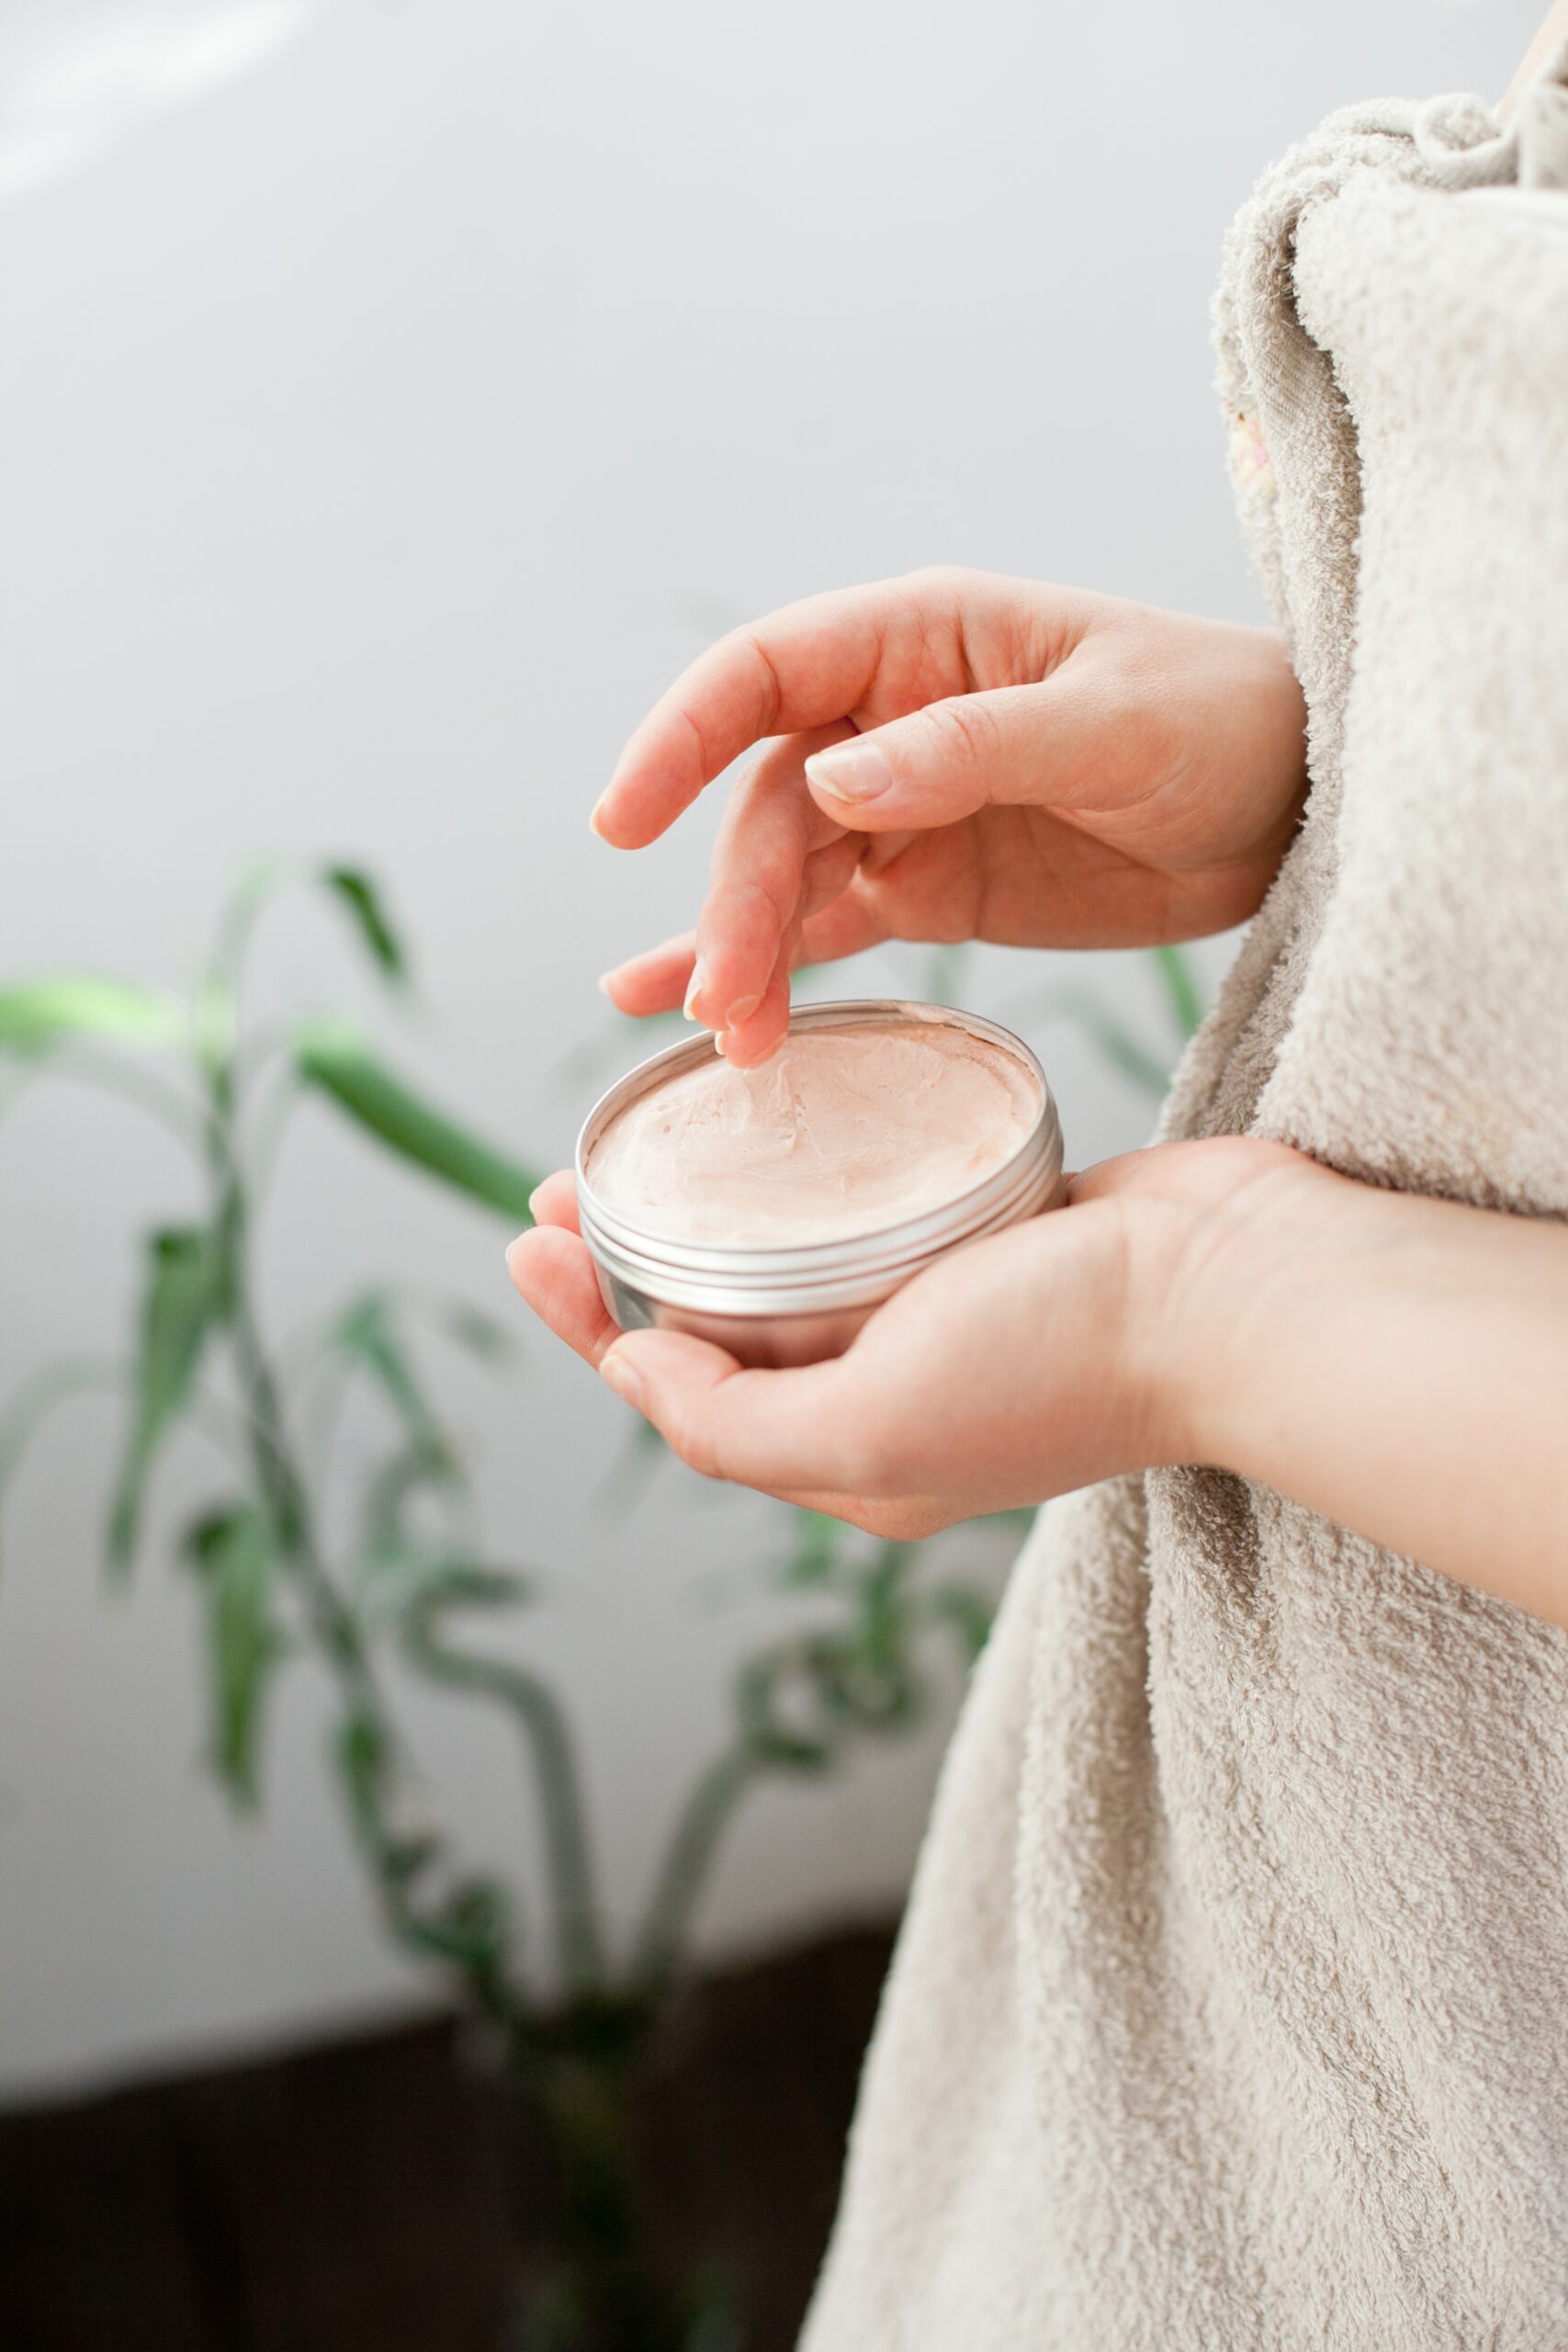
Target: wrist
{"points": [[1218, 1252]]}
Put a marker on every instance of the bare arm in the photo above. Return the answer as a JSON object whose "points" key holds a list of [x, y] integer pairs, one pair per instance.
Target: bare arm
{"points": [[1399, 1365]]}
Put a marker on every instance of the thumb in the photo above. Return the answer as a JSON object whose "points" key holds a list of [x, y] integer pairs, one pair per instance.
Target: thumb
{"points": [[1016, 745], [761, 1429]]}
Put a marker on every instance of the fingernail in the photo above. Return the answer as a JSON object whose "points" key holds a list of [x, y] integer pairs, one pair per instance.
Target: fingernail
{"points": [[695, 987], [596, 813], [742, 1010], [851, 771], [532, 1210], [623, 1379], [603, 982], [718, 1041]]}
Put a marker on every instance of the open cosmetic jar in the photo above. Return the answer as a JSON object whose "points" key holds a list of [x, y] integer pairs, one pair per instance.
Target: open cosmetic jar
{"points": [[771, 1209]]}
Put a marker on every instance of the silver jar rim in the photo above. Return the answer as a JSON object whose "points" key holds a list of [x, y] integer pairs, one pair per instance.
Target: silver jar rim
{"points": [[805, 1278]]}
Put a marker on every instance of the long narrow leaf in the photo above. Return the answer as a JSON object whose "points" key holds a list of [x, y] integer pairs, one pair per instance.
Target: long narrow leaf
{"points": [[234, 1552], [333, 1060], [366, 1332], [37, 1014], [484, 1336], [185, 1297], [361, 896], [425, 1463], [401, 1578]]}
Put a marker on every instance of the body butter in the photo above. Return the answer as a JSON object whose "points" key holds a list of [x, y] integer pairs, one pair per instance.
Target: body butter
{"points": [[770, 1209], [845, 1128]]}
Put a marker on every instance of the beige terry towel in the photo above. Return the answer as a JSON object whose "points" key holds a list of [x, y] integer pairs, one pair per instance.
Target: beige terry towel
{"points": [[1230, 2013]]}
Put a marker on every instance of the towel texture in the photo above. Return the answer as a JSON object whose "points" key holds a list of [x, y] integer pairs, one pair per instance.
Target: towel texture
{"points": [[1231, 2011]]}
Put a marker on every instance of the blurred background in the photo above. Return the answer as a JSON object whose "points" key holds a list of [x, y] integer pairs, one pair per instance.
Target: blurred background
{"points": [[394, 394]]}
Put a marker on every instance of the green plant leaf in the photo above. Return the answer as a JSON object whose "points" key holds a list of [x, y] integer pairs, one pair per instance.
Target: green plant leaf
{"points": [[765, 1689], [425, 1461], [366, 1332], [1185, 997], [362, 897], [234, 1554], [186, 1295], [330, 1059], [469, 1929], [400, 1580], [881, 1618], [468, 1584], [364, 1764], [482, 1335], [37, 1014]]}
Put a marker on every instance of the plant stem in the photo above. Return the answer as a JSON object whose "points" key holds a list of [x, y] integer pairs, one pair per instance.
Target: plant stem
{"points": [[666, 1928], [579, 1942]]}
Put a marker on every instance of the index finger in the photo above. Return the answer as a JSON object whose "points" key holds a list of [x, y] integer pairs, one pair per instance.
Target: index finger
{"points": [[771, 835], [802, 667]]}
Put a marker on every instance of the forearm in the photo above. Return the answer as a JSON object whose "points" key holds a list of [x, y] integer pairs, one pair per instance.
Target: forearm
{"points": [[1399, 1365]]}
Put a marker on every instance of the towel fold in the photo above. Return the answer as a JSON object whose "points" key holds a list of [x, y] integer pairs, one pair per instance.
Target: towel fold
{"points": [[1231, 2010]]}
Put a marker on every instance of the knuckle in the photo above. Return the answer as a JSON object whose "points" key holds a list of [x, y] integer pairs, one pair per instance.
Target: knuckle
{"points": [[754, 909], [965, 733], [956, 580], [770, 685]]}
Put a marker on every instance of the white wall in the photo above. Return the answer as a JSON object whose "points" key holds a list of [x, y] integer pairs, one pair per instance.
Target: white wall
{"points": [[391, 398]]}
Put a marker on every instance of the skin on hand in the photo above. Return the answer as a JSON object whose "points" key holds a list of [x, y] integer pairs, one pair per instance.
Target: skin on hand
{"points": [[959, 756], [1016, 1368], [966, 757], [1395, 1364]]}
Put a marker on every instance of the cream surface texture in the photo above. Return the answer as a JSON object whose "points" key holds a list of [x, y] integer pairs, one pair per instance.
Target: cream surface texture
{"points": [[843, 1131]]}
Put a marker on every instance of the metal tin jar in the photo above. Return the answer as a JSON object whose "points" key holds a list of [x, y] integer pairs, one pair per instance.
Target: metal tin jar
{"points": [[797, 1305]]}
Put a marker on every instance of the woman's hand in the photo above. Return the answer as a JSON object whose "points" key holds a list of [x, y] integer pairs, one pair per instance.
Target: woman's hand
{"points": [[1397, 1364], [961, 756], [1045, 1357]]}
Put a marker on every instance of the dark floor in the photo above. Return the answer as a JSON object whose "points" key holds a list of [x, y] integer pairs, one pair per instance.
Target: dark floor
{"points": [[367, 2193]]}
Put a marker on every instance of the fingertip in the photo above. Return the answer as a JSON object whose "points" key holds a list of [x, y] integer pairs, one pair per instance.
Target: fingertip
{"points": [[750, 1052], [614, 818], [553, 1201], [617, 1372], [695, 987], [848, 775], [756, 1038]]}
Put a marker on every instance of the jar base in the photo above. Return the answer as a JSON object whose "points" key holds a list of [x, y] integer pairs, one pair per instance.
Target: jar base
{"points": [[762, 1342]]}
